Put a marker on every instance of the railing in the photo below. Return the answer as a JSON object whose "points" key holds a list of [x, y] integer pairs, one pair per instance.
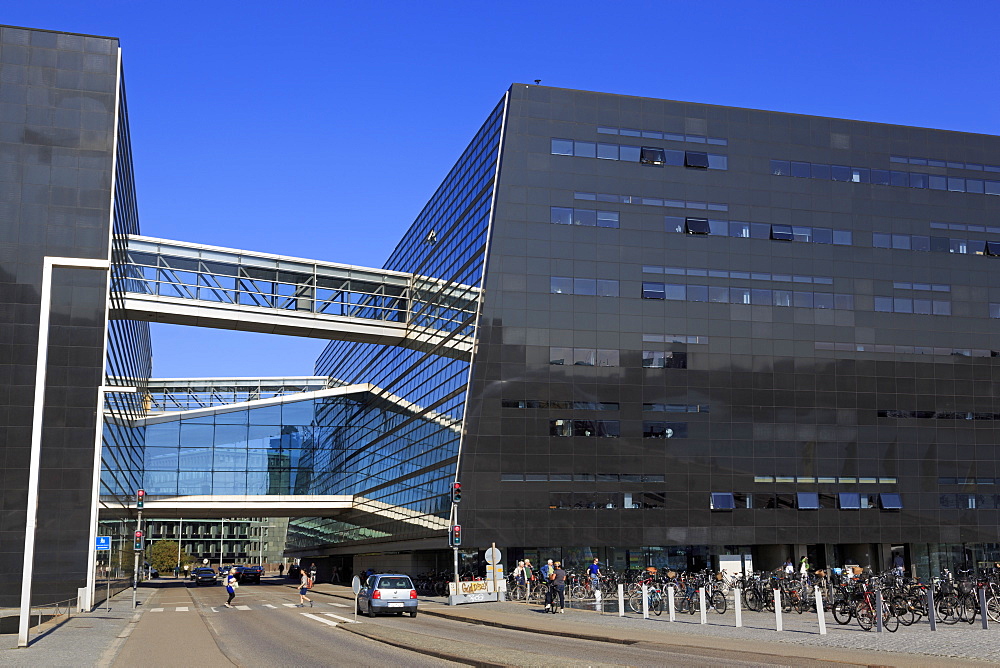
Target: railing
{"points": [[177, 270]]}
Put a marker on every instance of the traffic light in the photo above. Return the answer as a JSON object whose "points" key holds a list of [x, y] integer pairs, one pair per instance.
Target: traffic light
{"points": [[456, 492], [140, 497], [138, 540], [455, 535]]}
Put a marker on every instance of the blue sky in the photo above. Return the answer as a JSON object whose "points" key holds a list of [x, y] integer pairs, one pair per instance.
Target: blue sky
{"points": [[319, 129]]}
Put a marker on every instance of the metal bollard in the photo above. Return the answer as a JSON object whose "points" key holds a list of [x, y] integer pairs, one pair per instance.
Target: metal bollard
{"points": [[738, 604], [645, 602], [670, 604], [821, 612], [598, 605], [931, 617], [982, 608], [777, 610], [878, 611], [701, 605], [621, 600]]}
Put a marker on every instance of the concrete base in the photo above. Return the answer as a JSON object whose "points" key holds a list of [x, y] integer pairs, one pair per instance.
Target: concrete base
{"points": [[461, 599]]}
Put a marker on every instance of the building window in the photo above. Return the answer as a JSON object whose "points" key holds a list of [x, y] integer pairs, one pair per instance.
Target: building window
{"points": [[891, 501], [808, 501], [723, 501], [697, 226], [850, 501], [651, 156], [696, 159], [782, 233], [651, 429], [660, 359]]}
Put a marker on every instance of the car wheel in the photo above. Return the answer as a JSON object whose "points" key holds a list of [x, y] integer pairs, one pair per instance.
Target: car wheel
{"points": [[371, 611], [413, 613]]}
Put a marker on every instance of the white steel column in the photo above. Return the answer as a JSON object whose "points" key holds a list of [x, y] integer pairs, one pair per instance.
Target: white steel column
{"points": [[41, 362]]}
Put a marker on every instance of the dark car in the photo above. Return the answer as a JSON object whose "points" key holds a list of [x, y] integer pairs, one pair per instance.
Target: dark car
{"points": [[386, 594], [249, 573], [204, 575]]}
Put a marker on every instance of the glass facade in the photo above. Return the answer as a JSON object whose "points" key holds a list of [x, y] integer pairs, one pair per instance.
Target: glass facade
{"points": [[410, 461]]}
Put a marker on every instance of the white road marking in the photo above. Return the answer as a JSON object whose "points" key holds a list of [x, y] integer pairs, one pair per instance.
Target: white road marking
{"points": [[157, 610], [343, 619], [319, 619], [182, 608], [213, 609], [290, 605], [243, 607], [340, 605], [268, 605]]}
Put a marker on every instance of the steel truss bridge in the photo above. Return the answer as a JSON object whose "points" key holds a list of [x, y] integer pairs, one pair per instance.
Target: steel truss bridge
{"points": [[207, 286]]}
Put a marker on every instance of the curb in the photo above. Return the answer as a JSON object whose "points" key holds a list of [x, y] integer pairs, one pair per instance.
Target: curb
{"points": [[455, 658]]}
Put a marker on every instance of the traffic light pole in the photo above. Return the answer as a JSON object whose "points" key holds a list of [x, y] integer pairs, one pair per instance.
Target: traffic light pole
{"points": [[135, 567], [454, 514]]}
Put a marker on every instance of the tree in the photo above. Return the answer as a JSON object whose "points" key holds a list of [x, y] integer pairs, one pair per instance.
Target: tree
{"points": [[162, 555]]}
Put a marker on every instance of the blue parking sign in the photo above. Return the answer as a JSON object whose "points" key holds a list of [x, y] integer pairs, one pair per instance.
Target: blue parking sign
{"points": [[102, 543]]}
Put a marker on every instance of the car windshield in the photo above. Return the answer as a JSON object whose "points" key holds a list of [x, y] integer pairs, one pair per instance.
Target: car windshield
{"points": [[394, 583]]}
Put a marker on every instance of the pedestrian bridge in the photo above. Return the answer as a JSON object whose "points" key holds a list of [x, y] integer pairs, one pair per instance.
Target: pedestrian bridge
{"points": [[183, 283]]}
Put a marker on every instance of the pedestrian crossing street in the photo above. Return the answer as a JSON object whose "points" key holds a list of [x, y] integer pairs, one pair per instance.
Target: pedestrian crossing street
{"points": [[264, 606]]}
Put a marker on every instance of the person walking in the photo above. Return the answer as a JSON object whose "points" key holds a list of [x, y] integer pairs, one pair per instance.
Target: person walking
{"points": [[546, 572], [595, 574], [231, 586], [312, 571], [281, 569], [559, 587], [804, 568], [186, 567], [305, 584]]}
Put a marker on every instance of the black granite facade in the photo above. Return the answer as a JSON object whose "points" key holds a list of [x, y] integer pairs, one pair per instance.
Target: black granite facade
{"points": [[58, 114], [691, 344]]}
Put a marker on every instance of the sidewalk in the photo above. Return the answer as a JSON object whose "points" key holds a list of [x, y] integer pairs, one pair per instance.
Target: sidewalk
{"points": [[914, 647], [85, 639]]}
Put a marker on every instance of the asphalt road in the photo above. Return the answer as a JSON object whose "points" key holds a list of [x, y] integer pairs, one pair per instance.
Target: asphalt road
{"points": [[268, 630]]}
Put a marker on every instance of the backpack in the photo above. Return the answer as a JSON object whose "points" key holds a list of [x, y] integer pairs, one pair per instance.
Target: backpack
{"points": [[309, 583]]}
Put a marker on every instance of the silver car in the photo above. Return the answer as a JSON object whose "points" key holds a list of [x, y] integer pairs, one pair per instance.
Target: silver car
{"points": [[387, 594]]}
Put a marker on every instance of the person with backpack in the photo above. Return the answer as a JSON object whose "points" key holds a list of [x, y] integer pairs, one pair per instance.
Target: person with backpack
{"points": [[305, 584], [231, 586]]}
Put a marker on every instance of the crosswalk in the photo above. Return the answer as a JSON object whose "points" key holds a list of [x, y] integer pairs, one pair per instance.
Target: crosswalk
{"points": [[263, 606], [330, 622]]}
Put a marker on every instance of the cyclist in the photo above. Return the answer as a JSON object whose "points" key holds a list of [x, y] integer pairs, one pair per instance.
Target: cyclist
{"points": [[594, 570]]}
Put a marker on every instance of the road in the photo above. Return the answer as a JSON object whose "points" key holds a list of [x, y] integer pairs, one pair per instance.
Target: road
{"points": [[189, 625]]}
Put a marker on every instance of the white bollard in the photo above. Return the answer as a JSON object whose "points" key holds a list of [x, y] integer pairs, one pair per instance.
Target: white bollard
{"points": [[820, 612], [701, 605], [645, 602], [621, 600], [597, 601], [777, 610], [738, 604], [670, 604]]}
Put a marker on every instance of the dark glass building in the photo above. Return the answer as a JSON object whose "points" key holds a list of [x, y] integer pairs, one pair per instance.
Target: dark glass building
{"points": [[714, 331], [66, 178]]}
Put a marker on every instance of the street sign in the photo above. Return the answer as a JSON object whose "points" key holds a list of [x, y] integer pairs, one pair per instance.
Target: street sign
{"points": [[102, 543], [493, 556], [356, 584]]}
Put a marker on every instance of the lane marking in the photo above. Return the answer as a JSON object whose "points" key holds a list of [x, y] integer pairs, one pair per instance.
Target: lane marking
{"points": [[182, 608], [268, 605], [340, 605], [243, 607], [319, 619], [343, 619], [290, 605], [213, 609], [157, 610]]}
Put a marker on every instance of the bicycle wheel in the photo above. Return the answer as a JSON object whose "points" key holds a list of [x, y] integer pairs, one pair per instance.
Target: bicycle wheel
{"points": [[901, 608], [890, 622], [751, 600], [947, 609], [577, 592], [656, 604], [719, 602], [865, 618], [993, 609], [968, 608], [842, 612], [635, 603]]}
